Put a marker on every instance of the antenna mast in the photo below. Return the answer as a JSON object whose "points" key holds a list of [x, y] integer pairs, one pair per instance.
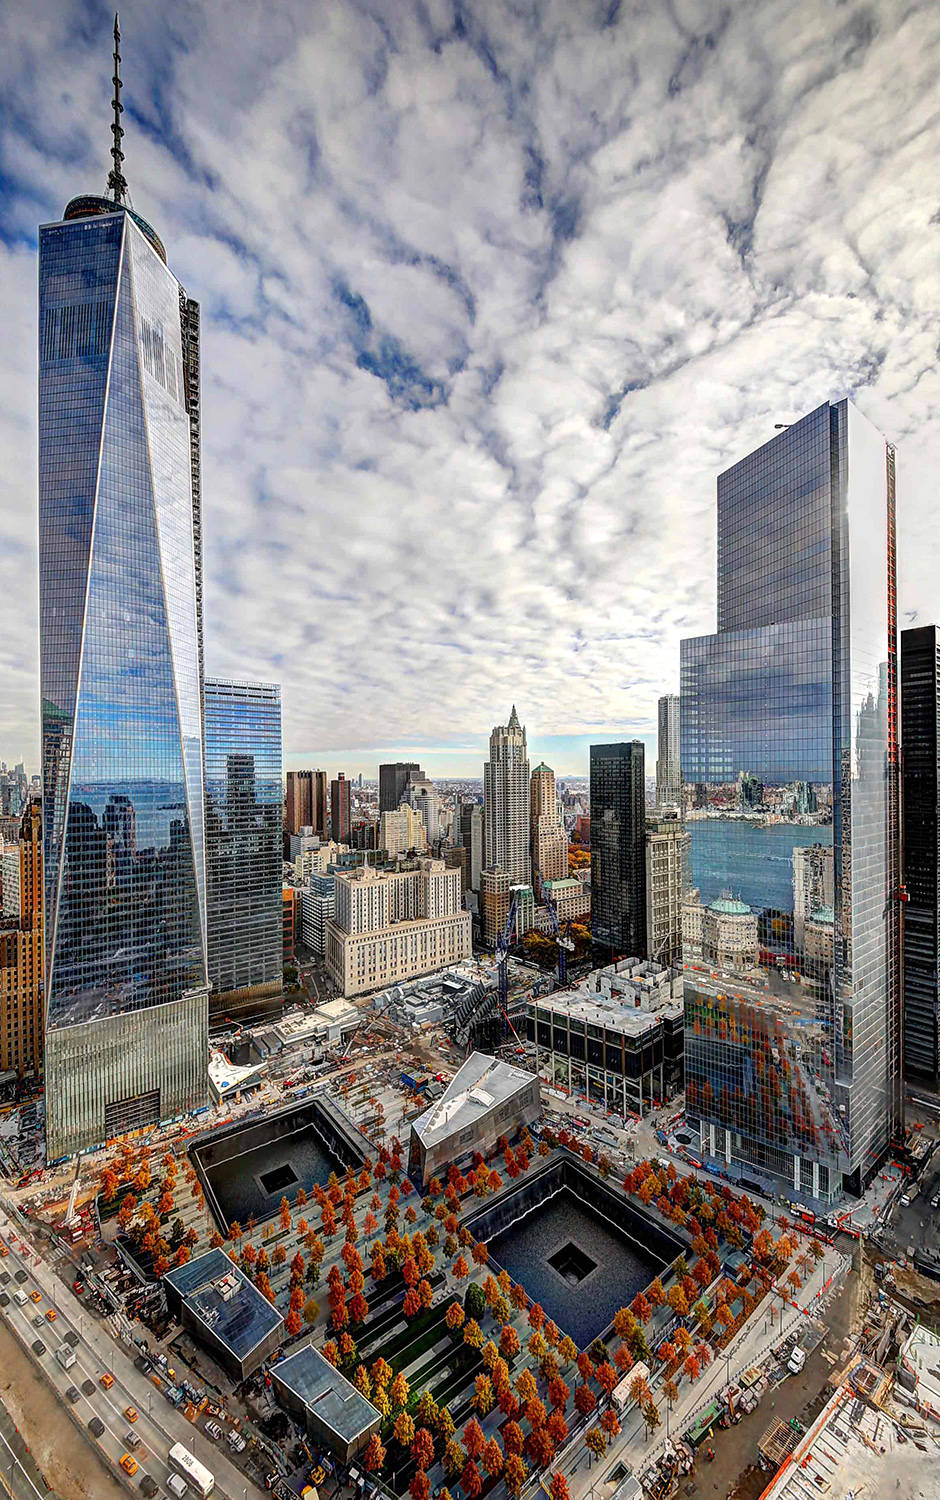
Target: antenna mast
{"points": [[117, 182]]}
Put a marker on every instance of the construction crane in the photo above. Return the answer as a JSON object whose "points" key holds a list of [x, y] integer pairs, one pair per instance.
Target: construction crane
{"points": [[562, 938], [503, 943]]}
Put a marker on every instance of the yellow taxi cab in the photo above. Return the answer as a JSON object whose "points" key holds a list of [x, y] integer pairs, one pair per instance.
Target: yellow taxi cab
{"points": [[130, 1413], [128, 1464], [51, 1314], [35, 1296], [4, 1251], [106, 1380]]}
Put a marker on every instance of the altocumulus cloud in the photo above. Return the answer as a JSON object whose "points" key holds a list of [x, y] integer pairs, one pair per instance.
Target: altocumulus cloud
{"points": [[490, 294]]}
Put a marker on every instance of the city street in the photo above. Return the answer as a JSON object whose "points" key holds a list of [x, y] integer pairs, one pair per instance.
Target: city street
{"points": [[158, 1426]]}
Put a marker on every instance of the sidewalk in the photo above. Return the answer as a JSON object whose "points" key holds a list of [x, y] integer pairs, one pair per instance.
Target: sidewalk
{"points": [[750, 1346]]}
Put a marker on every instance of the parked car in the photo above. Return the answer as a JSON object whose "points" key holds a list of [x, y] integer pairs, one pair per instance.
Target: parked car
{"points": [[213, 1429], [797, 1360]]}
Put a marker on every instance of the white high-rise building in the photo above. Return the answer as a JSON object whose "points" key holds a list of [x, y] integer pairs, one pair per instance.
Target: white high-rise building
{"points": [[668, 772], [402, 831], [425, 801], [471, 836], [506, 801]]}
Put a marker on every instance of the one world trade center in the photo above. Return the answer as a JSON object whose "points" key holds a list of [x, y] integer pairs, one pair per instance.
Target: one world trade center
{"points": [[121, 667]]}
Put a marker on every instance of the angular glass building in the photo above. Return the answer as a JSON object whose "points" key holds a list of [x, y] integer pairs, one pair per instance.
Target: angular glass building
{"points": [[120, 580], [244, 812], [790, 762]]}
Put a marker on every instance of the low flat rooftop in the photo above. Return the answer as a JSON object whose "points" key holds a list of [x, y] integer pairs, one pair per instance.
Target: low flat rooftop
{"points": [[304, 1026], [224, 1301], [337, 1403], [614, 1014], [481, 1083]]}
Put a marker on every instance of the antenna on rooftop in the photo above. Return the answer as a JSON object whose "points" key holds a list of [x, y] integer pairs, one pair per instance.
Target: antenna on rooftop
{"points": [[117, 182]]}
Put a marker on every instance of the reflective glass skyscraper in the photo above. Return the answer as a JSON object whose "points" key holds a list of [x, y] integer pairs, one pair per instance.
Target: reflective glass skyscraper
{"points": [[920, 737], [125, 906], [790, 763], [243, 842], [618, 848]]}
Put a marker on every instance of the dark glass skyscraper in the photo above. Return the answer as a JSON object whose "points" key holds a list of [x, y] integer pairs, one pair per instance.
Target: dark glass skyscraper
{"points": [[790, 759], [393, 781], [920, 739], [243, 842], [120, 647], [618, 848]]}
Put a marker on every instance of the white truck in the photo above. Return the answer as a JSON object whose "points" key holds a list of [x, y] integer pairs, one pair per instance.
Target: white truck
{"points": [[621, 1397], [66, 1356]]}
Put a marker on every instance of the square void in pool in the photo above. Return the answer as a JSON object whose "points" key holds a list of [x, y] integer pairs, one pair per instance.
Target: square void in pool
{"points": [[278, 1178], [251, 1184], [579, 1266], [572, 1264]]}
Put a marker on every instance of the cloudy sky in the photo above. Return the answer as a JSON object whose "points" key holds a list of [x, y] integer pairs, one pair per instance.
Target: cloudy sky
{"points": [[491, 292]]}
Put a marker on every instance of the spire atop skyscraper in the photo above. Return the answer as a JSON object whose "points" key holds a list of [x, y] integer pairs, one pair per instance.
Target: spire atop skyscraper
{"points": [[117, 182]]}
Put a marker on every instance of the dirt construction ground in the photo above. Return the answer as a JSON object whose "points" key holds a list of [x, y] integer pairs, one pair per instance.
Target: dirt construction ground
{"points": [[734, 1471], [67, 1460]]}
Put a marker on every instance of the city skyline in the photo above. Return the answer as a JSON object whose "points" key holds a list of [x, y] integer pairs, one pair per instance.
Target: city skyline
{"points": [[419, 343]]}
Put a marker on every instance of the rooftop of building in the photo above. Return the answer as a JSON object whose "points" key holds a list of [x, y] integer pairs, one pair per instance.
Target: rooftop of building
{"points": [[91, 206], [367, 874], [337, 1403], [630, 996], [225, 1302], [481, 1083]]}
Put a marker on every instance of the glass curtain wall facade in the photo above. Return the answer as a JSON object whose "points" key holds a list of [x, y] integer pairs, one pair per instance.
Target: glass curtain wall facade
{"points": [[789, 739], [618, 848], [125, 917], [243, 840], [920, 737], [393, 782]]}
